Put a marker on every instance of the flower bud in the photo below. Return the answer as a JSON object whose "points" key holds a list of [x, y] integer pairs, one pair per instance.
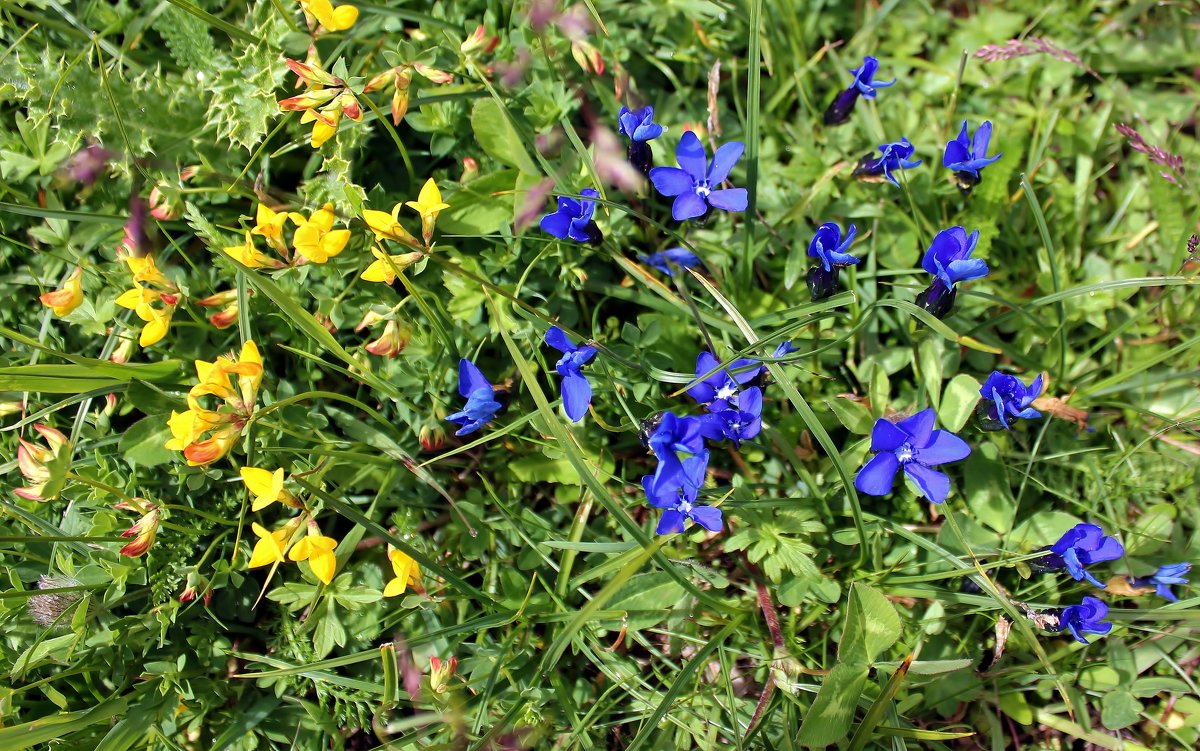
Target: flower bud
{"points": [[143, 530], [44, 467], [432, 438], [370, 319], [393, 341], [470, 170], [440, 673], [162, 207]]}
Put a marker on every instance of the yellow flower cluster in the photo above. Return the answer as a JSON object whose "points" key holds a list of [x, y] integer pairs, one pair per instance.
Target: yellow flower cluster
{"points": [[153, 298], [205, 435], [314, 239], [324, 102]]}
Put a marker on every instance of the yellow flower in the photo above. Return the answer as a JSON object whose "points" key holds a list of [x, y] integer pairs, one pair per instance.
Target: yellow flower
{"points": [[206, 435], [408, 573], [387, 227], [385, 267], [428, 204], [144, 270], [248, 255], [141, 300], [318, 550], [69, 297], [333, 19], [316, 240], [44, 467], [270, 547], [324, 125], [143, 531], [269, 224], [267, 487]]}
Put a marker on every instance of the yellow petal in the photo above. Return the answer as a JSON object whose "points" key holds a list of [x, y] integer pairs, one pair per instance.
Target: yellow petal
{"points": [[130, 298], [343, 18], [265, 485], [395, 587], [379, 271], [155, 329], [268, 549]]}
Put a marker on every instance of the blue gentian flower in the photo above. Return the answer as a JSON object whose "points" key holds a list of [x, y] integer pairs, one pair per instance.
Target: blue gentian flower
{"points": [[949, 260], [481, 402], [676, 496], [572, 220], [663, 259], [719, 389], [1085, 618], [892, 157], [911, 444], [694, 183], [576, 390], [784, 349], [1007, 398], [839, 110], [640, 128], [966, 157], [740, 421], [829, 248], [1162, 579], [1082, 545], [673, 436]]}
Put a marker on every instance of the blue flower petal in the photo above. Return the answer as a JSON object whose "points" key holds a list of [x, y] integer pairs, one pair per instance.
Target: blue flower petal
{"points": [[943, 447], [670, 523], [690, 155], [708, 517], [670, 181], [470, 378], [729, 199], [878, 475], [576, 396], [723, 162], [919, 426], [557, 224], [558, 339], [885, 436], [933, 484], [688, 206]]}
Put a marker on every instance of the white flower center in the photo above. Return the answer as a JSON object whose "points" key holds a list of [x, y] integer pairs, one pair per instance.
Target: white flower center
{"points": [[905, 453], [727, 391], [702, 188]]}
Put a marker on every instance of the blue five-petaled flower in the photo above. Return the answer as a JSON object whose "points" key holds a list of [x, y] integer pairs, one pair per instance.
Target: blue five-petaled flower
{"points": [[839, 110], [663, 259], [949, 260], [694, 183], [720, 388], [911, 444], [641, 129], [481, 402], [740, 421], [892, 158], [829, 246], [967, 156], [1163, 578], [1084, 618], [572, 220], [1080, 546], [676, 496], [576, 390], [1009, 398]]}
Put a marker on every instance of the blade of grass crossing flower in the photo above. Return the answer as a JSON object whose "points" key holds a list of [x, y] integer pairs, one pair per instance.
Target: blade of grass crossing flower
{"points": [[753, 104], [940, 327], [575, 456], [650, 728], [806, 414], [1052, 259]]}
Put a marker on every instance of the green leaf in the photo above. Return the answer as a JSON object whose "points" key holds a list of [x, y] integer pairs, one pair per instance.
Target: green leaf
{"points": [[498, 138], [852, 415], [828, 721], [958, 401], [1015, 705], [872, 625], [142, 443], [987, 490], [1119, 709]]}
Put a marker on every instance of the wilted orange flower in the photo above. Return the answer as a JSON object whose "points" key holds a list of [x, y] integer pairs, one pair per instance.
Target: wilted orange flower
{"points": [[143, 530], [43, 467], [323, 104], [67, 298]]}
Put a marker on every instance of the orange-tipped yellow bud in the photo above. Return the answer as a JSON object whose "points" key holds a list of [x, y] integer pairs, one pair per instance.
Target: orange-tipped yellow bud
{"points": [[67, 298]]}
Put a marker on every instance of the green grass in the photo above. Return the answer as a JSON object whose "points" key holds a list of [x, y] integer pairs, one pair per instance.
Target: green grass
{"points": [[818, 616]]}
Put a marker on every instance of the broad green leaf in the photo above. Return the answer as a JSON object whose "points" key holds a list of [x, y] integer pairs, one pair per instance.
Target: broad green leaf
{"points": [[987, 490], [958, 401], [498, 138], [1015, 705], [142, 443], [851, 414], [828, 720], [1119, 709], [872, 626]]}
